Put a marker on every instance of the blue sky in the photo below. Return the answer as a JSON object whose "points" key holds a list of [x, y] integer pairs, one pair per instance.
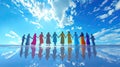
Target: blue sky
{"points": [[99, 17]]}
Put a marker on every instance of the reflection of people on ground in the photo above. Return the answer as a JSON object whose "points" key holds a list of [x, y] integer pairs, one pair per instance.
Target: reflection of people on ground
{"points": [[94, 50], [89, 51], [93, 39], [40, 52], [41, 39], [26, 50], [48, 42], [54, 53], [83, 48], [33, 45], [27, 45], [76, 42], [82, 41], [62, 35], [62, 53], [47, 52], [21, 50], [69, 45]]}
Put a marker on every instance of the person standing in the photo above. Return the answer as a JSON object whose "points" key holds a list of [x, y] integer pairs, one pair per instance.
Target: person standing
{"points": [[82, 41], [55, 38], [93, 39], [48, 42], [41, 39], [62, 35], [87, 39]]}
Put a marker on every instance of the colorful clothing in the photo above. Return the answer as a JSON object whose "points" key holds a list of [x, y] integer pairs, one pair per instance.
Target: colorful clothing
{"points": [[69, 38], [41, 39], [87, 40], [76, 41], [62, 38], [55, 38], [34, 40], [48, 39], [28, 40], [82, 40]]}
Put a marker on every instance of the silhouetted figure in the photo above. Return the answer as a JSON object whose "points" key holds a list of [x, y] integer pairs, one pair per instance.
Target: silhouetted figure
{"points": [[41, 39], [47, 52], [21, 50], [28, 40], [40, 52], [48, 42], [23, 39], [76, 39], [87, 39], [26, 50], [93, 40], [55, 38], [54, 53], [89, 51], [82, 41], [62, 35]]}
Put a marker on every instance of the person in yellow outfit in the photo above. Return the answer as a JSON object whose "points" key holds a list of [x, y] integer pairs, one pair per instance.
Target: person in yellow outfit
{"points": [[69, 45], [82, 40], [69, 38], [62, 35]]}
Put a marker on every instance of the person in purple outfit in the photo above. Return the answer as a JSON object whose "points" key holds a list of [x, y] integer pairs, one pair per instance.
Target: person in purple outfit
{"points": [[87, 39]]}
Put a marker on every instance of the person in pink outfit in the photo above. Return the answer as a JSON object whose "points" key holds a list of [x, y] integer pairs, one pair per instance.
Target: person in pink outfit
{"points": [[34, 39]]}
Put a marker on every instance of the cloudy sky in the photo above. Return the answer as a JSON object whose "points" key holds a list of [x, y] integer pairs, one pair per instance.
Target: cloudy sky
{"points": [[98, 17]]}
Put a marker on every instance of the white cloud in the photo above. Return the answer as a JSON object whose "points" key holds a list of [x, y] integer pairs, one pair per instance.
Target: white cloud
{"points": [[16, 39], [8, 6], [37, 24], [103, 3], [79, 27], [72, 28], [117, 6], [107, 36], [110, 11], [61, 65], [103, 16], [56, 11], [113, 19]]}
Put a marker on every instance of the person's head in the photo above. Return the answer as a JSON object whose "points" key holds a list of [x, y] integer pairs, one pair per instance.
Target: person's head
{"points": [[24, 35], [54, 32], [62, 31], [75, 32], [68, 31], [41, 32], [82, 34]]}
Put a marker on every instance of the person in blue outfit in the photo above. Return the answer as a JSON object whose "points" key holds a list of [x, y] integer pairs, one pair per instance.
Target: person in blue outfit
{"points": [[55, 38], [76, 39], [93, 39], [23, 39], [28, 39]]}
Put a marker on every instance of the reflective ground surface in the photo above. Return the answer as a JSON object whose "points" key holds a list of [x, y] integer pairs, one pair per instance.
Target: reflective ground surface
{"points": [[60, 56]]}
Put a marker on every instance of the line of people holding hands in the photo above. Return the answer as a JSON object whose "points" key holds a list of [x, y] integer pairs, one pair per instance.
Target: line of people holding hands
{"points": [[78, 39]]}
